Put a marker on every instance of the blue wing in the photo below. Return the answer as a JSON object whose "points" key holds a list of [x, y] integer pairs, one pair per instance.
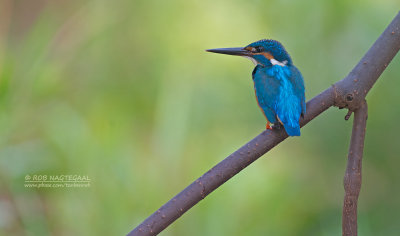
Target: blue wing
{"points": [[280, 94], [267, 91], [298, 85]]}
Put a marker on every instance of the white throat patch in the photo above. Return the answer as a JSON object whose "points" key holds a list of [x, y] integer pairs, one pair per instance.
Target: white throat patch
{"points": [[253, 60]]}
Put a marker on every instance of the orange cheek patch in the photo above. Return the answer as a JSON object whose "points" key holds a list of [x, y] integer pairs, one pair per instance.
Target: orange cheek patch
{"points": [[267, 55]]}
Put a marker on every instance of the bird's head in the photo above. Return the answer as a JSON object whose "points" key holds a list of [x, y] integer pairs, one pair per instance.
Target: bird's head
{"points": [[266, 52]]}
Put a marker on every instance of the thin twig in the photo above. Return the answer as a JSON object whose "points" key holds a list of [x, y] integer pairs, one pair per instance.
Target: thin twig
{"points": [[349, 92], [352, 177]]}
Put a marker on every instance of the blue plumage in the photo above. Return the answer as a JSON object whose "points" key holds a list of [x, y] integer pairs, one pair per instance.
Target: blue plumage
{"points": [[278, 84]]}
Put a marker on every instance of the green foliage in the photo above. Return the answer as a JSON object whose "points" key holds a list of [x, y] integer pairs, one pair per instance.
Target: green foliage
{"points": [[122, 91]]}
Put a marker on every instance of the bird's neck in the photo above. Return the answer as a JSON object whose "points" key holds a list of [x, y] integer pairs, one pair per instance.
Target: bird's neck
{"points": [[277, 71]]}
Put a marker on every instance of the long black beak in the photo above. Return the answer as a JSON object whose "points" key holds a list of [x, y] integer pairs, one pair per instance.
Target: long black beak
{"points": [[230, 51]]}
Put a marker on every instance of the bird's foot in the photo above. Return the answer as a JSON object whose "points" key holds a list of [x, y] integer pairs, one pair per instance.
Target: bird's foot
{"points": [[268, 126]]}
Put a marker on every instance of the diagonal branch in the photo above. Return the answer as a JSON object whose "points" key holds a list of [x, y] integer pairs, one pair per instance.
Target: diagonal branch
{"points": [[352, 177], [349, 92], [225, 170]]}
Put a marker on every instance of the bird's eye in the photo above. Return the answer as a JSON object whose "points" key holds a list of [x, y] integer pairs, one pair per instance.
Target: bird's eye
{"points": [[256, 49], [259, 48]]}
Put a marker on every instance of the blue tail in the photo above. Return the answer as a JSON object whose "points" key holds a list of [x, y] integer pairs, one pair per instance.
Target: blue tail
{"points": [[292, 131]]}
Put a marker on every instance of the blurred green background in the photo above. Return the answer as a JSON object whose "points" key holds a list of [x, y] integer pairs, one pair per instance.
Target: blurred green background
{"points": [[122, 91]]}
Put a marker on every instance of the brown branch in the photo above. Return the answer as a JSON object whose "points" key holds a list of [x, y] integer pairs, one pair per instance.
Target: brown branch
{"points": [[224, 170], [349, 92], [352, 177]]}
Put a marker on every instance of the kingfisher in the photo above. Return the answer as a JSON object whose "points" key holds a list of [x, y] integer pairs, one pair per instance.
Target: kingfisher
{"points": [[278, 84]]}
